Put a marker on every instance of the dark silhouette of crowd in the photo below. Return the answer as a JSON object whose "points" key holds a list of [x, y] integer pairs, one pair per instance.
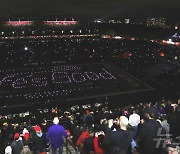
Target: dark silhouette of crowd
{"points": [[150, 128]]}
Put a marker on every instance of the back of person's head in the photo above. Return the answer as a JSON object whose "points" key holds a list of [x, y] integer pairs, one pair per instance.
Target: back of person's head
{"points": [[123, 121], [84, 128], [56, 120], [8, 150], [16, 136], [26, 150], [151, 111]]}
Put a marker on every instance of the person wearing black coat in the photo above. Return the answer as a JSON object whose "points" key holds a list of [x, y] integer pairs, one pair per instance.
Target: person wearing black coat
{"points": [[39, 140], [148, 136]]}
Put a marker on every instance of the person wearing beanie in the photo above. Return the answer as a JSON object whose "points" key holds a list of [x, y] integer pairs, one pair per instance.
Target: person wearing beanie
{"points": [[17, 144], [27, 141], [119, 141], [39, 140], [55, 136]]}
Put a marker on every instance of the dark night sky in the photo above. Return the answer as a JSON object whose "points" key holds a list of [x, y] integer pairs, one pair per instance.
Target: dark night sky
{"points": [[90, 9]]}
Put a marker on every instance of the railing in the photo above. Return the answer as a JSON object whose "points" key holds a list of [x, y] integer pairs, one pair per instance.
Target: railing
{"points": [[68, 143]]}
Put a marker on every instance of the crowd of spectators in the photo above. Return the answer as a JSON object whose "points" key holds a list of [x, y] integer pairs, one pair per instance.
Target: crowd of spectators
{"points": [[150, 128], [85, 49]]}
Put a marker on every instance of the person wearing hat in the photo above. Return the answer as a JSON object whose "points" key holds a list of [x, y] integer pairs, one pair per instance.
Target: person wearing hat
{"points": [[38, 140], [55, 136], [148, 133], [17, 144]]}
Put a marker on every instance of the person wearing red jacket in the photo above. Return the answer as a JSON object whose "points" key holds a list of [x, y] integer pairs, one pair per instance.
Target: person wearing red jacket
{"points": [[98, 148], [83, 136]]}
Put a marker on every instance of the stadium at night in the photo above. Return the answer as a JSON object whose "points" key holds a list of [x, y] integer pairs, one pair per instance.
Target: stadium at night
{"points": [[106, 75]]}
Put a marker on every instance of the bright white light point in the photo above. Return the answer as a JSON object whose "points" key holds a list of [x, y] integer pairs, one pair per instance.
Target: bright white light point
{"points": [[26, 48]]}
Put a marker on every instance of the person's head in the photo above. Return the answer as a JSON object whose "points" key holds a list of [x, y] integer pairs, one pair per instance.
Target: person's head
{"points": [[26, 136], [16, 136], [135, 111], [123, 122], [150, 113], [172, 150], [56, 120], [8, 150], [37, 129]]}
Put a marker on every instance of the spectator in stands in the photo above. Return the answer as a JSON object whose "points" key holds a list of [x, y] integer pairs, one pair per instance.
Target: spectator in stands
{"points": [[27, 140], [165, 124], [88, 119], [119, 142], [88, 146], [174, 121], [55, 135], [99, 142], [17, 144], [39, 140], [134, 120], [76, 133], [148, 133], [84, 135]]}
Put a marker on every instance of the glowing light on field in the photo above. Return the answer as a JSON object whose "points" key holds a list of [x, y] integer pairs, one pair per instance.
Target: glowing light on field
{"points": [[25, 48]]}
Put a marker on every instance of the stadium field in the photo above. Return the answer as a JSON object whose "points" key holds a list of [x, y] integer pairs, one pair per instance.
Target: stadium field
{"points": [[67, 82]]}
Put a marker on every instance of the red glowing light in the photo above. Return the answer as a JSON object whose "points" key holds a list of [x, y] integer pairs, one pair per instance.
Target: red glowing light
{"points": [[162, 54], [18, 23]]}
